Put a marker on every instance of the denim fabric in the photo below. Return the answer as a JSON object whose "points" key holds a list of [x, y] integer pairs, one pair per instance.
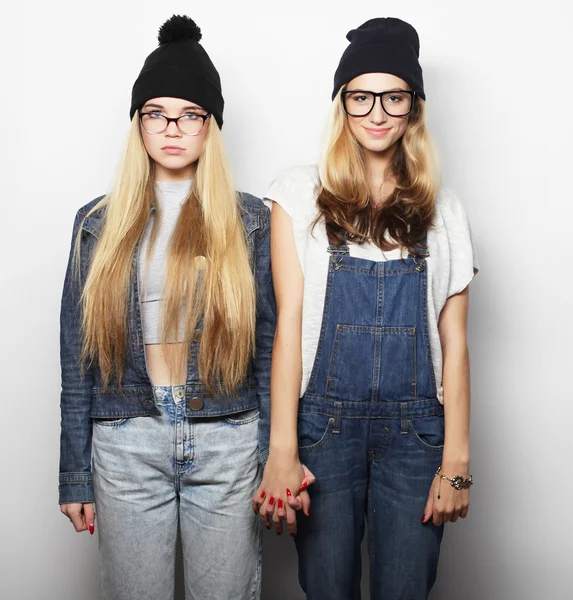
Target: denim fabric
{"points": [[151, 473], [83, 397], [372, 431]]}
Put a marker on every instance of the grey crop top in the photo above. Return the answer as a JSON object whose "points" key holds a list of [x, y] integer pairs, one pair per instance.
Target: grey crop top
{"points": [[169, 196]]}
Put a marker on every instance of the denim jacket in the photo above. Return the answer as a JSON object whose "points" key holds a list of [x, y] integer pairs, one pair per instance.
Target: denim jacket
{"points": [[83, 397]]}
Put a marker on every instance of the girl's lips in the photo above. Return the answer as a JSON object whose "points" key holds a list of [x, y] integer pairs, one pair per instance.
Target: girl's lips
{"points": [[377, 132], [172, 149]]}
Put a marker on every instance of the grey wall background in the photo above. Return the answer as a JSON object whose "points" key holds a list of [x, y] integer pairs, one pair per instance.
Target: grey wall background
{"points": [[498, 79]]}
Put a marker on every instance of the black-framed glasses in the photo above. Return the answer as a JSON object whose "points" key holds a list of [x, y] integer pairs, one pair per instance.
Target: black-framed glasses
{"points": [[396, 103], [188, 124]]}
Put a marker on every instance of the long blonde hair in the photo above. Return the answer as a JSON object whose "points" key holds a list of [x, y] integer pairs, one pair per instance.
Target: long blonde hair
{"points": [[344, 199], [207, 270]]}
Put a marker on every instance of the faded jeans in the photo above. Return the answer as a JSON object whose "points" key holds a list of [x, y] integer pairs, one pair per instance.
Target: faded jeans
{"points": [[154, 473]]}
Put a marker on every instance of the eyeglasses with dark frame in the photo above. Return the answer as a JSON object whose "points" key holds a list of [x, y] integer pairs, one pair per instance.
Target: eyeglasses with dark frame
{"points": [[395, 103], [155, 122]]}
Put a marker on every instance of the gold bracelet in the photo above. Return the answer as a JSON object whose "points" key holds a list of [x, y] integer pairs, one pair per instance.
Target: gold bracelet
{"points": [[457, 482]]}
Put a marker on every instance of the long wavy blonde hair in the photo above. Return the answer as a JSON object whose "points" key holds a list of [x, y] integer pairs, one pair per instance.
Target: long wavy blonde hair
{"points": [[344, 198], [219, 288]]}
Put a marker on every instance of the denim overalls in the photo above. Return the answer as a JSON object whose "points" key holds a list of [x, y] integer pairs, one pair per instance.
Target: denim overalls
{"points": [[371, 430]]}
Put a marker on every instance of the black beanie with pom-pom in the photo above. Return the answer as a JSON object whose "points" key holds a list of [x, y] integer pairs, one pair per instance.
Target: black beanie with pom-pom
{"points": [[179, 68]]}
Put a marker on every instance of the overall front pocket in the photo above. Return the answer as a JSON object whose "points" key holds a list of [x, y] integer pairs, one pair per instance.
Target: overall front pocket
{"points": [[429, 432], [314, 429]]}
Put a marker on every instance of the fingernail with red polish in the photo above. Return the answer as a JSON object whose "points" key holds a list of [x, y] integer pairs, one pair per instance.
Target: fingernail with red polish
{"points": [[309, 513], [289, 493], [271, 501], [280, 503], [91, 528], [263, 495], [304, 486]]}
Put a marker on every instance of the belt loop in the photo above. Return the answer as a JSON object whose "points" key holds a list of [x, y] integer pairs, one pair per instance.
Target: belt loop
{"points": [[404, 417], [336, 418]]}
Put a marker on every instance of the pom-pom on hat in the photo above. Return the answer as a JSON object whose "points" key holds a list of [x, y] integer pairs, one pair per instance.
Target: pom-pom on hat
{"points": [[179, 68], [383, 45]]}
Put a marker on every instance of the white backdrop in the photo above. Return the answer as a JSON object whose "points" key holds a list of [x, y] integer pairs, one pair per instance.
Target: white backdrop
{"points": [[498, 81]]}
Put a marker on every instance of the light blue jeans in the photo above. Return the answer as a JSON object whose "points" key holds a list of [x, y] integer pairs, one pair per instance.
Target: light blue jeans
{"points": [[153, 473]]}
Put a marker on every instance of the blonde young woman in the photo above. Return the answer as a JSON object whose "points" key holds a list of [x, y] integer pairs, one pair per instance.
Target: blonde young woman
{"points": [[167, 324], [371, 263]]}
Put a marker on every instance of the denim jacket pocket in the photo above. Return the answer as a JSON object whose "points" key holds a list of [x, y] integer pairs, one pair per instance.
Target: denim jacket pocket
{"points": [[251, 226]]}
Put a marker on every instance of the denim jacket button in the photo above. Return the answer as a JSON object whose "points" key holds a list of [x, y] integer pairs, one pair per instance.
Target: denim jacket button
{"points": [[180, 392], [196, 403]]}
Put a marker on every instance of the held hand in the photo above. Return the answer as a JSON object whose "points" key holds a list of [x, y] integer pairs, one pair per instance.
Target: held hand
{"points": [[82, 516], [451, 505], [301, 501], [281, 473]]}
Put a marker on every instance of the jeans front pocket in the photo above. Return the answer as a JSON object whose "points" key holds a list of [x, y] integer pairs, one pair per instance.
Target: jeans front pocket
{"points": [[111, 422], [243, 418]]}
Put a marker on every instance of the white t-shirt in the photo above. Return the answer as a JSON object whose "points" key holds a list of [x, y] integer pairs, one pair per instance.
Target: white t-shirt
{"points": [[451, 264]]}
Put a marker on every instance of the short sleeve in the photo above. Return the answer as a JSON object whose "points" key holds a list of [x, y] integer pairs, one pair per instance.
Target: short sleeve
{"points": [[295, 191], [462, 253]]}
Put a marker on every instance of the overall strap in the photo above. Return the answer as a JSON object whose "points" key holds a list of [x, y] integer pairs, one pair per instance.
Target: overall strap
{"points": [[337, 253], [422, 253]]}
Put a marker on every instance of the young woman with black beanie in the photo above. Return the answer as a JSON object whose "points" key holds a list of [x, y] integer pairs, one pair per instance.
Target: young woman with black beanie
{"points": [[370, 377], [167, 323]]}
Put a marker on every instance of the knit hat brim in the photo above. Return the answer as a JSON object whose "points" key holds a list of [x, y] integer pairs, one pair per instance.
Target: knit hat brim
{"points": [[382, 45], [175, 82], [380, 58]]}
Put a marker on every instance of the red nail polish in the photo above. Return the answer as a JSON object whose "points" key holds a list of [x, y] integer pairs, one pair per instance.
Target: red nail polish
{"points": [[309, 513], [280, 503], [289, 493], [271, 501], [91, 528], [304, 486], [423, 517], [263, 495]]}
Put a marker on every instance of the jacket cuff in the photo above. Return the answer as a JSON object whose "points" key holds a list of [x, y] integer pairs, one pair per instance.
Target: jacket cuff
{"points": [[263, 456], [76, 488]]}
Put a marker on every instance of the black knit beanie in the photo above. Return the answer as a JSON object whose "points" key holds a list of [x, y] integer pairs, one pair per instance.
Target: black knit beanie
{"points": [[384, 45], [179, 68]]}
